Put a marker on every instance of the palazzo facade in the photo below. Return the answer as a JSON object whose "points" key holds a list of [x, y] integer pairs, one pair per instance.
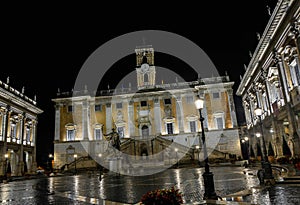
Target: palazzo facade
{"points": [[18, 120], [272, 82], [147, 117]]}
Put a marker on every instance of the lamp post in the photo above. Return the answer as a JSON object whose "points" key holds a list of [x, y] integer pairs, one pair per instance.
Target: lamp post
{"points": [[266, 165], [50, 156], [75, 157], [5, 166], [208, 176]]}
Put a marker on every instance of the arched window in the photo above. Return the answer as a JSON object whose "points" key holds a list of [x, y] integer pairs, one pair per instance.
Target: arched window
{"points": [[98, 131], [145, 131], [219, 120], [71, 132]]}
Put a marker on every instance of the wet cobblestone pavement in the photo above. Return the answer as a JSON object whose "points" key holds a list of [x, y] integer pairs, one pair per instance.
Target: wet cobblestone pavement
{"points": [[88, 189]]}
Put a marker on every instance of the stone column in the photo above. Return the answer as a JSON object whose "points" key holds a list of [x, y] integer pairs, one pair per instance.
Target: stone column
{"points": [[108, 118], [33, 143], [85, 120], [131, 119], [20, 170], [57, 123], [179, 114], [232, 108], [6, 116], [157, 116], [289, 109]]}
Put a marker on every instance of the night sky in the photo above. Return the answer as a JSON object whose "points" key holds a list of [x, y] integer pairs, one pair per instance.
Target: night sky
{"points": [[44, 46]]}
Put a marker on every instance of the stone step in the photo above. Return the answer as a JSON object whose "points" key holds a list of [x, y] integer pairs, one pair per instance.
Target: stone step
{"points": [[291, 178], [288, 182]]}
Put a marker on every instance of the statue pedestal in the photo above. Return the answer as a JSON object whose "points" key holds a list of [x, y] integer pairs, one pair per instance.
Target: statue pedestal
{"points": [[115, 164]]}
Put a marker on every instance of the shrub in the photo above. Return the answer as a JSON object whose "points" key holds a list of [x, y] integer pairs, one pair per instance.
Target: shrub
{"points": [[169, 196]]}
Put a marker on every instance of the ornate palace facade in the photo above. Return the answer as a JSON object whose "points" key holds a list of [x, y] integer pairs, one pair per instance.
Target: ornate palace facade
{"points": [[18, 120], [272, 82], [148, 118]]}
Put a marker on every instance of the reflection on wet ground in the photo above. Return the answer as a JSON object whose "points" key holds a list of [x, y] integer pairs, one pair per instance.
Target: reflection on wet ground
{"points": [[88, 189]]}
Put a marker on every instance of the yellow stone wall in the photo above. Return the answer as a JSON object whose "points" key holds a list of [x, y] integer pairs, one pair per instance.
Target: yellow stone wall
{"points": [[188, 109], [212, 106]]}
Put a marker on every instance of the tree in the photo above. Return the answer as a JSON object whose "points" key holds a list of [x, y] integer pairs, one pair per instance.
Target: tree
{"points": [[270, 150]]}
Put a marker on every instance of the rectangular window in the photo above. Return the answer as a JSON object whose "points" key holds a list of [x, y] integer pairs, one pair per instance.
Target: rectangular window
{"points": [[219, 121], [143, 103], [13, 131], [189, 99], [28, 135], [170, 128], [167, 101], [216, 95], [119, 105], [70, 108], [121, 132], [98, 108], [223, 147], [98, 134], [70, 135], [295, 75], [193, 126]]}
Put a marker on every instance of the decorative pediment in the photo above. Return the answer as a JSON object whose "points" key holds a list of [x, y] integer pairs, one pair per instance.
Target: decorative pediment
{"points": [[70, 126], [169, 119], [192, 117]]}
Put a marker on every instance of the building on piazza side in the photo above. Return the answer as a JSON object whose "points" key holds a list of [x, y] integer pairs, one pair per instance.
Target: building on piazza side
{"points": [[148, 118], [18, 120], [272, 82]]}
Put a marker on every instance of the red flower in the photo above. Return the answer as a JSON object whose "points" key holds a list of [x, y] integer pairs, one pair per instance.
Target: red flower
{"points": [[170, 196]]}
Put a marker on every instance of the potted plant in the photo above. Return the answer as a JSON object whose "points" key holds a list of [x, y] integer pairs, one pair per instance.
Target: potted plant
{"points": [[171, 196]]}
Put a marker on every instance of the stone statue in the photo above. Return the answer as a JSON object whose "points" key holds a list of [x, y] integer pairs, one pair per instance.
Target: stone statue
{"points": [[114, 139], [290, 143]]}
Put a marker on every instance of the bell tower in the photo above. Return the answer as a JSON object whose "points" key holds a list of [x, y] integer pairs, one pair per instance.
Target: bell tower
{"points": [[145, 68]]}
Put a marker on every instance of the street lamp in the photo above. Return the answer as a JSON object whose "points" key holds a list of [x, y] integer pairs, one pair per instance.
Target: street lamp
{"points": [[5, 171], [207, 176], [50, 156], [266, 166], [248, 148], [75, 157]]}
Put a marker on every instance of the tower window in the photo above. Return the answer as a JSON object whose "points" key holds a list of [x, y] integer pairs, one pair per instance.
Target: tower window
{"points": [[216, 95], [119, 105], [167, 101], [98, 108], [70, 108], [143, 103]]}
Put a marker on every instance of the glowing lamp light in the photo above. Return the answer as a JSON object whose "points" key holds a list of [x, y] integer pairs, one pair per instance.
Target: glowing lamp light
{"points": [[258, 111], [199, 103]]}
